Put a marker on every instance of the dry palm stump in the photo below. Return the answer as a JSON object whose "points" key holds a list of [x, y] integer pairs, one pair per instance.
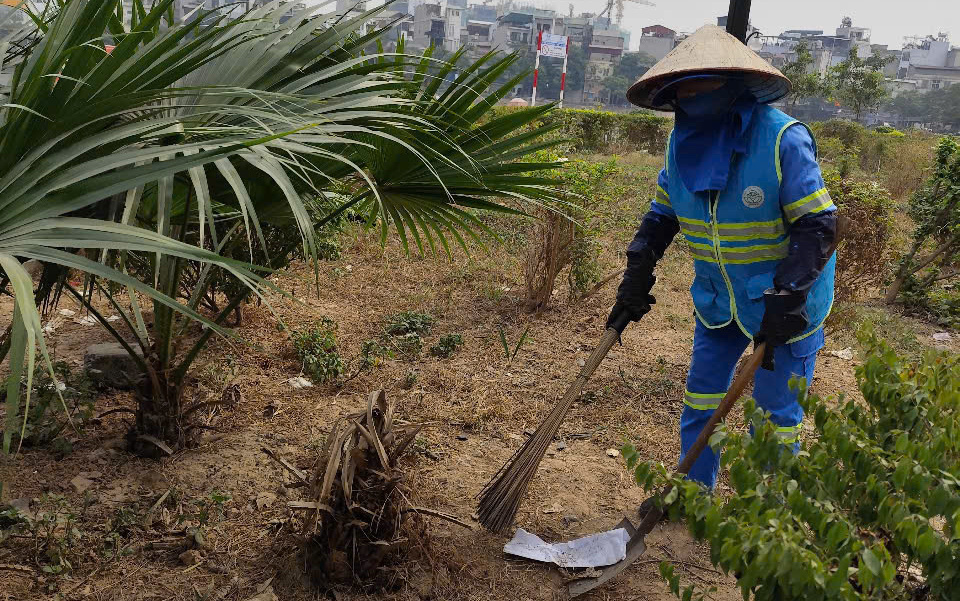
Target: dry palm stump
{"points": [[359, 519]]}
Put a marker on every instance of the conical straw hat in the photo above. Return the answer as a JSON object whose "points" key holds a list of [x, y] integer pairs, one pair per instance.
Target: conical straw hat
{"points": [[710, 51]]}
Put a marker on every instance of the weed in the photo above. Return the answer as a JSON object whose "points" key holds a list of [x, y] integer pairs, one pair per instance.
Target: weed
{"points": [[446, 346], [408, 345], [46, 421], [409, 322], [410, 379], [372, 354], [317, 349], [328, 249], [507, 353]]}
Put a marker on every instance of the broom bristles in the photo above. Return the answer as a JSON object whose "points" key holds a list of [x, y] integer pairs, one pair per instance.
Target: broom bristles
{"points": [[501, 497]]}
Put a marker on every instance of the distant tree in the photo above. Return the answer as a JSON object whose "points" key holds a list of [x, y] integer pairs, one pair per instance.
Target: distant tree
{"points": [[859, 83], [631, 66], [804, 84], [934, 107]]}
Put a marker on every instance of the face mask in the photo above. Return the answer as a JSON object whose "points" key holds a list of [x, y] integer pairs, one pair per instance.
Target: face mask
{"points": [[709, 104]]}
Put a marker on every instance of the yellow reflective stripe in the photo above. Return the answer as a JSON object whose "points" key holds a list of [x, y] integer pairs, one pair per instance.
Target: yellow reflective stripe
{"points": [[813, 203], [662, 197], [695, 400], [734, 232], [777, 150], [755, 253], [750, 230], [702, 252]]}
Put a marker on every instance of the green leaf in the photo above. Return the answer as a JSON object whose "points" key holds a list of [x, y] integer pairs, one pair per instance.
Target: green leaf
{"points": [[871, 561]]}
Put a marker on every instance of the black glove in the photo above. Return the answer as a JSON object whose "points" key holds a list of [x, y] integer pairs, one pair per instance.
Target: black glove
{"points": [[633, 296], [784, 317]]}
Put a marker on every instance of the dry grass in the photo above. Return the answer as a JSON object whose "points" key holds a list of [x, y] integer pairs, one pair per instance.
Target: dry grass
{"points": [[479, 401]]}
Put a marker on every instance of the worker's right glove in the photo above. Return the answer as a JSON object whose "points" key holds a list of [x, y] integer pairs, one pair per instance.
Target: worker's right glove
{"points": [[633, 296], [784, 317]]}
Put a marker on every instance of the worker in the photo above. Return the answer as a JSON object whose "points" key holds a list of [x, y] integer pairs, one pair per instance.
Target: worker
{"points": [[742, 183]]}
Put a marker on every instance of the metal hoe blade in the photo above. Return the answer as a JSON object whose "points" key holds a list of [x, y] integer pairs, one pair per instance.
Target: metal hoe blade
{"points": [[635, 548]]}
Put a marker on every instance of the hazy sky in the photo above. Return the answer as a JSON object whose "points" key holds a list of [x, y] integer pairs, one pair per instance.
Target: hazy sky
{"points": [[889, 20]]}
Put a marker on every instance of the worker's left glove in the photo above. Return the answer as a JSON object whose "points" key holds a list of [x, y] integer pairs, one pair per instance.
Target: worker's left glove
{"points": [[784, 317]]}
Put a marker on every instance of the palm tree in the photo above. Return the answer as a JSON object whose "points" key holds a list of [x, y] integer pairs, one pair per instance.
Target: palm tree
{"points": [[188, 136]]}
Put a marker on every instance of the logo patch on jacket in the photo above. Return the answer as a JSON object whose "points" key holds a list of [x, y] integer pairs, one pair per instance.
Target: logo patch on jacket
{"points": [[753, 197]]}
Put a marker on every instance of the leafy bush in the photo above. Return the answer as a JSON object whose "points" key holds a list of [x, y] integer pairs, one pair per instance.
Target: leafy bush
{"points": [[588, 130], [317, 349], [405, 331], [328, 248], [886, 129], [409, 322], [934, 255], [863, 252], [447, 346], [849, 133], [872, 499], [46, 421]]}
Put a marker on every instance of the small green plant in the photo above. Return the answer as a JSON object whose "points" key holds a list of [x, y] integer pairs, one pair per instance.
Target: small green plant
{"points": [[446, 346], [372, 354], [405, 331], [410, 379], [317, 350], [409, 322], [869, 501], [46, 421], [328, 248], [57, 539], [507, 353]]}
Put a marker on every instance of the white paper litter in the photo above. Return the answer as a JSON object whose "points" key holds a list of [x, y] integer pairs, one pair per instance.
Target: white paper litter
{"points": [[942, 336], [67, 312], [300, 382], [113, 318], [596, 550], [845, 354], [86, 320]]}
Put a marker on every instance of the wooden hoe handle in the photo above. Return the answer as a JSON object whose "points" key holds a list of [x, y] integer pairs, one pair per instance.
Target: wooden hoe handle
{"points": [[733, 394]]}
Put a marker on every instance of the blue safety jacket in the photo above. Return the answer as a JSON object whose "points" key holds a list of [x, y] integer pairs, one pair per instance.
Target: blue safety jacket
{"points": [[739, 235]]}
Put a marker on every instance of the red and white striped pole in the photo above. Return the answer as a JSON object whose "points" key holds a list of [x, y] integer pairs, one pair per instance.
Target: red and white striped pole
{"points": [[563, 75], [536, 69]]}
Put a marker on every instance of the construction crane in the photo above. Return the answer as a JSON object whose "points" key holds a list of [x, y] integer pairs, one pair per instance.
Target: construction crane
{"points": [[609, 9]]}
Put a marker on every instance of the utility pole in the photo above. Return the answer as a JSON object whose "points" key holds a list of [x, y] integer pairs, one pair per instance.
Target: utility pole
{"points": [[737, 19]]}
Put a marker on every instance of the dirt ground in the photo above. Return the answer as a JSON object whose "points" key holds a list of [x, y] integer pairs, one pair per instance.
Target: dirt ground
{"points": [[479, 404]]}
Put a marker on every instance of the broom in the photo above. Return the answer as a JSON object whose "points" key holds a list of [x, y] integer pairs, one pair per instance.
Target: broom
{"points": [[500, 498]]}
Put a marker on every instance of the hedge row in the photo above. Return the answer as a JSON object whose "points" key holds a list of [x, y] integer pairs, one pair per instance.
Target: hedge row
{"points": [[606, 132]]}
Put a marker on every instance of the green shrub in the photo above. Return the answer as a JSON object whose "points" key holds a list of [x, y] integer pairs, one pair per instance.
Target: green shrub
{"points": [[873, 497], [588, 130], [849, 133], [46, 421], [409, 322], [317, 350], [328, 248], [886, 129], [447, 346]]}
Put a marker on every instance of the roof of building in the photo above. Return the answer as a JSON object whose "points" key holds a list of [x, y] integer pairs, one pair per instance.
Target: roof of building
{"points": [[514, 17], [476, 22], [946, 71], [661, 29]]}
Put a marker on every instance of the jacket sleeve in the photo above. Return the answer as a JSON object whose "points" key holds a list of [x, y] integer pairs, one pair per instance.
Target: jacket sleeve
{"points": [[659, 225], [808, 211]]}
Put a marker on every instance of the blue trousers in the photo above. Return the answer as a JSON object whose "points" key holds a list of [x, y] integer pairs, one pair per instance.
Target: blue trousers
{"points": [[715, 356]]}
